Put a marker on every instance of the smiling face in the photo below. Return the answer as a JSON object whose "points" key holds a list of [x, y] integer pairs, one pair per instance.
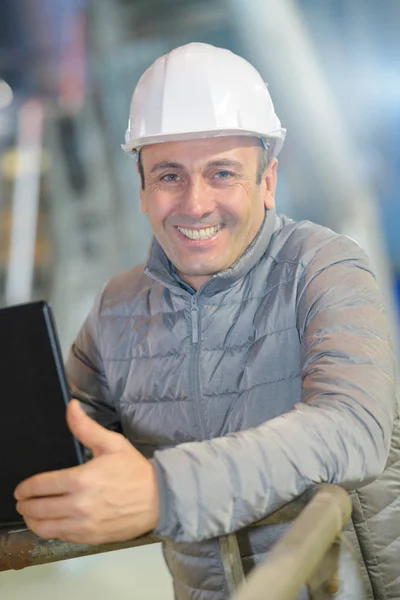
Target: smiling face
{"points": [[203, 201]]}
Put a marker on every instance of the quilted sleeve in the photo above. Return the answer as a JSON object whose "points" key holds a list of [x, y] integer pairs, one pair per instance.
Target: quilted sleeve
{"points": [[85, 372], [339, 433]]}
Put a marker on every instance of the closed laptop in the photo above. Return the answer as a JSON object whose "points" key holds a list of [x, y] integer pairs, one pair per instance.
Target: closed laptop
{"points": [[34, 436]]}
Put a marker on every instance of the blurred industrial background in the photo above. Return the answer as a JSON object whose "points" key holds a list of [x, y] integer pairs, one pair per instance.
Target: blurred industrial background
{"points": [[69, 215]]}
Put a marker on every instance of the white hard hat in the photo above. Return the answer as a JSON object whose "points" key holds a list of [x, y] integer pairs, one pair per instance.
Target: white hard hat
{"points": [[198, 91]]}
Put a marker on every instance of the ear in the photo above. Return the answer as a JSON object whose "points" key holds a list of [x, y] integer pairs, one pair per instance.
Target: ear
{"points": [[143, 207], [270, 184]]}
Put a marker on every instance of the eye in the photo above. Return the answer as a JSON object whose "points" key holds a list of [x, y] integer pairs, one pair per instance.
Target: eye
{"points": [[224, 175], [170, 177]]}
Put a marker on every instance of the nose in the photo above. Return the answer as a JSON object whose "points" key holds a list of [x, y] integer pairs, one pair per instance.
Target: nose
{"points": [[197, 201]]}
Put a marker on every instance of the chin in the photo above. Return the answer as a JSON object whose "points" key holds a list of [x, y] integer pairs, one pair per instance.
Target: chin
{"points": [[199, 271]]}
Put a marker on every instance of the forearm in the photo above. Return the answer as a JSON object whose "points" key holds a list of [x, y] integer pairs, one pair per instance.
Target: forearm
{"points": [[215, 487]]}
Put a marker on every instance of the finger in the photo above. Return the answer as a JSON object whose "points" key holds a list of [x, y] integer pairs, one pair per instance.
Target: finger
{"points": [[53, 483], [54, 507], [92, 435], [65, 529], [48, 528]]}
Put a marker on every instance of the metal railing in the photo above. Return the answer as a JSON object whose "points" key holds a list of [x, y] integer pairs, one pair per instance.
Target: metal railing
{"points": [[308, 553]]}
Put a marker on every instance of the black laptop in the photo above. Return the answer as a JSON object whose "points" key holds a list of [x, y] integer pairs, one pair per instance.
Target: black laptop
{"points": [[34, 436]]}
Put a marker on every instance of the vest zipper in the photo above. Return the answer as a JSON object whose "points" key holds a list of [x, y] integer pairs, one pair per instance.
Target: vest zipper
{"points": [[195, 320], [195, 366]]}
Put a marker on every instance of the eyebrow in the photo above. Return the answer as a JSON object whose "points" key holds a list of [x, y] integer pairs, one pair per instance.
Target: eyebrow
{"points": [[213, 163], [225, 162], [166, 165]]}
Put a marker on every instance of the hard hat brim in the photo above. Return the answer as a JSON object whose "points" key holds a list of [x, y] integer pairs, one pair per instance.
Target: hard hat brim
{"points": [[272, 141]]}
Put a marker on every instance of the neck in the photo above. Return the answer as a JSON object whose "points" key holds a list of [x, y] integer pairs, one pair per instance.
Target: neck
{"points": [[195, 281]]}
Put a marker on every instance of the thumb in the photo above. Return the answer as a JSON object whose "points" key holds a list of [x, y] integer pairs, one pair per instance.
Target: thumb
{"points": [[92, 435]]}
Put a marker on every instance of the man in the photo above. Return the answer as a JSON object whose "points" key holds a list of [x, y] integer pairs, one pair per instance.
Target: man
{"points": [[246, 362]]}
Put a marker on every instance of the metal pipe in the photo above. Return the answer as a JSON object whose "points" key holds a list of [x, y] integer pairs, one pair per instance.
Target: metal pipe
{"points": [[20, 548], [301, 549]]}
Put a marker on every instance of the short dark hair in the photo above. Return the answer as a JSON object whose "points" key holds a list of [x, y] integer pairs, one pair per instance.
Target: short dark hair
{"points": [[263, 161], [140, 168]]}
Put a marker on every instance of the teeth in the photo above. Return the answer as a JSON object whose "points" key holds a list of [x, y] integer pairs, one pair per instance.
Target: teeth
{"points": [[199, 234]]}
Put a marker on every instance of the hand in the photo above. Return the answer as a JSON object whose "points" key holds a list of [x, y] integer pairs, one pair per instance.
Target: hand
{"points": [[113, 497]]}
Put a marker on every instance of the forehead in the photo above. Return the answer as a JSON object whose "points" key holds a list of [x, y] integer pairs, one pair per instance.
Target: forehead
{"points": [[188, 152]]}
